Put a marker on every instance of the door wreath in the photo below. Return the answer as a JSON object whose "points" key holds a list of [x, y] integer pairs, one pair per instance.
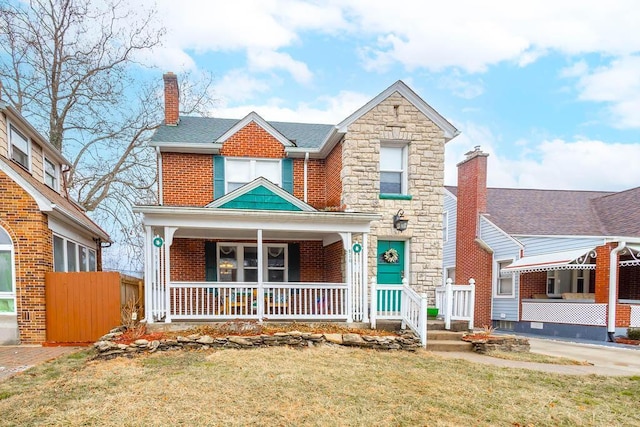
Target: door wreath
{"points": [[390, 256]]}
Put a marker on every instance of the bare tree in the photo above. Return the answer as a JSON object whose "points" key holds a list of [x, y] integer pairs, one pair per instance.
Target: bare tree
{"points": [[73, 67]]}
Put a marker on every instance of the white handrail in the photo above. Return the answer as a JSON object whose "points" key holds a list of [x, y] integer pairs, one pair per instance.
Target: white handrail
{"points": [[456, 302]]}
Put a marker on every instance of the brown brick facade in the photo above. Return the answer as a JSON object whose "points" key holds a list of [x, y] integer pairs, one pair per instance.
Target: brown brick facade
{"points": [[334, 178], [32, 242], [316, 182], [253, 141], [603, 255], [334, 257], [187, 179]]}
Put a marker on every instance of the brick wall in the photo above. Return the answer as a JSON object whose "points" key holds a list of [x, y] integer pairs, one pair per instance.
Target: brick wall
{"points": [[533, 283], [311, 261], [334, 263], [187, 179], [333, 165], [187, 260], [603, 254], [471, 260], [252, 141], [33, 241], [316, 182], [171, 99]]}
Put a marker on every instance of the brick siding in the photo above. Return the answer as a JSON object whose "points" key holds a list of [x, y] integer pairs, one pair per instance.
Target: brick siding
{"points": [[187, 179], [252, 141], [33, 250], [333, 178], [334, 260]]}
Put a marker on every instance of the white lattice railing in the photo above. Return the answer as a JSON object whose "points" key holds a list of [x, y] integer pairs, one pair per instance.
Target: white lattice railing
{"points": [[224, 300], [399, 302], [635, 316], [573, 313], [456, 302]]}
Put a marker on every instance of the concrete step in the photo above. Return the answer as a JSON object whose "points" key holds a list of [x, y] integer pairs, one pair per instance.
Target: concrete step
{"points": [[456, 325], [439, 345], [440, 335]]}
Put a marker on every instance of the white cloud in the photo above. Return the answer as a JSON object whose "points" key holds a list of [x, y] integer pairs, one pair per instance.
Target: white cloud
{"points": [[617, 84], [329, 110], [265, 60], [238, 86], [461, 87]]}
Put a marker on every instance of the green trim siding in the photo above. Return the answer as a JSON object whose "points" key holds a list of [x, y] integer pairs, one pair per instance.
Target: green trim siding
{"points": [[260, 198], [218, 177], [287, 175], [388, 196]]}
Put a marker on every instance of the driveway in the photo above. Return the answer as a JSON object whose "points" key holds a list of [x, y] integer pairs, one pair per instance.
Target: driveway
{"points": [[18, 358]]}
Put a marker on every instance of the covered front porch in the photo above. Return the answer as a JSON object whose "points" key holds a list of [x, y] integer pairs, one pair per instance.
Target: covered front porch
{"points": [[586, 293], [221, 264]]}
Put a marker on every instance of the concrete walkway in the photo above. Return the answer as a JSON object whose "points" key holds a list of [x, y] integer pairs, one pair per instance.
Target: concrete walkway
{"points": [[604, 359], [19, 358]]}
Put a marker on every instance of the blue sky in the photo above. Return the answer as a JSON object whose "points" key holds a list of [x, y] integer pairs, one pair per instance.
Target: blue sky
{"points": [[551, 89]]}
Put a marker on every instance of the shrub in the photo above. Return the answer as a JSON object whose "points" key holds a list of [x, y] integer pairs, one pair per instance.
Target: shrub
{"points": [[633, 333]]}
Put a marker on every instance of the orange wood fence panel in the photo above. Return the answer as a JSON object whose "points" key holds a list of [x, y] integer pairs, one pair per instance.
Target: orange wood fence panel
{"points": [[81, 307]]}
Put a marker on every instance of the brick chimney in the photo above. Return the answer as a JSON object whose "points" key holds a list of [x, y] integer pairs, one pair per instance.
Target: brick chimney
{"points": [[171, 99], [472, 258]]}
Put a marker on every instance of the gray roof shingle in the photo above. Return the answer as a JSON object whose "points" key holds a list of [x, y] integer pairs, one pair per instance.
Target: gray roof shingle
{"points": [[209, 129], [563, 212]]}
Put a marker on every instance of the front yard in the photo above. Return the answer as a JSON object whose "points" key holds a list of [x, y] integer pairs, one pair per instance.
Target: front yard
{"points": [[315, 386]]}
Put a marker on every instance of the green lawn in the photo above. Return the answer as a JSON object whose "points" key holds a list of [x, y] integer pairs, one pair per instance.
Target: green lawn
{"points": [[318, 386]]}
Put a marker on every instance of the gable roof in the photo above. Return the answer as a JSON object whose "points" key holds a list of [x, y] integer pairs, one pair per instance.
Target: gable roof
{"points": [[260, 194], [449, 130], [206, 134], [563, 212], [51, 201]]}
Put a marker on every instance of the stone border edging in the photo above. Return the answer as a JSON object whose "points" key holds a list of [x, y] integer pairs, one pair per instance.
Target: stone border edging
{"points": [[108, 349]]}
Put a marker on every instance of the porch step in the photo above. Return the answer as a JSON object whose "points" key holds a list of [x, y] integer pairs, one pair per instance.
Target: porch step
{"points": [[439, 335], [456, 325], [436, 345]]}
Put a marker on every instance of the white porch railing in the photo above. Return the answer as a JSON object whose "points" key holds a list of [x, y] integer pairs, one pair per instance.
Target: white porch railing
{"points": [[635, 316], [574, 313], [284, 301], [394, 302], [456, 302]]}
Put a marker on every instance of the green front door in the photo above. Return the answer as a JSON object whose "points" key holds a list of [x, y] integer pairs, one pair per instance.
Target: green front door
{"points": [[390, 256]]}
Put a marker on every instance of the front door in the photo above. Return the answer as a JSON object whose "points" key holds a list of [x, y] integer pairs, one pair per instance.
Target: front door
{"points": [[390, 261]]}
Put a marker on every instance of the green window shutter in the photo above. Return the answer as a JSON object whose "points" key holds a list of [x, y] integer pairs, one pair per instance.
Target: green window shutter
{"points": [[287, 175], [218, 177], [294, 262], [211, 272]]}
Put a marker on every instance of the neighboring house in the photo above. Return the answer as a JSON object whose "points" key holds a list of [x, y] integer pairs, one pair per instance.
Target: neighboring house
{"points": [[260, 219], [551, 262], [41, 229]]}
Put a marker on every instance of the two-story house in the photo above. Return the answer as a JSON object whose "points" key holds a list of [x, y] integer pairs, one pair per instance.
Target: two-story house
{"points": [[41, 228], [548, 262], [261, 219]]}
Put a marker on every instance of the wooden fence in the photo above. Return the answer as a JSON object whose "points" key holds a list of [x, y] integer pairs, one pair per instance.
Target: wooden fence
{"points": [[81, 307]]}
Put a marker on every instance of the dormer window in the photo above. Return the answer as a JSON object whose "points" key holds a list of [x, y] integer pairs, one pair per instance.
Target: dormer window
{"points": [[50, 174], [19, 147]]}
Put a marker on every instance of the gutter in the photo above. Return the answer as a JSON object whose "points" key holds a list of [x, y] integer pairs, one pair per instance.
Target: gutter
{"points": [[613, 280], [306, 161]]}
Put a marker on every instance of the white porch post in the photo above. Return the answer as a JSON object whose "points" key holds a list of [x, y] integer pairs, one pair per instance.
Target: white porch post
{"points": [[168, 240], [260, 305], [346, 239], [149, 274], [365, 277]]}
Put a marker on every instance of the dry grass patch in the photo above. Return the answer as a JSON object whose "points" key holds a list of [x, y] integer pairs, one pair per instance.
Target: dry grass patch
{"points": [[537, 358], [320, 386]]}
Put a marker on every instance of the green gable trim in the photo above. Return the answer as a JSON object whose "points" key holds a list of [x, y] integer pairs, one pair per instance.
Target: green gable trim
{"points": [[388, 196], [260, 198]]}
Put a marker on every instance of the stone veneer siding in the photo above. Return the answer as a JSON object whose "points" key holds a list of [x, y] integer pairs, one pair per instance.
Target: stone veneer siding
{"points": [[397, 120]]}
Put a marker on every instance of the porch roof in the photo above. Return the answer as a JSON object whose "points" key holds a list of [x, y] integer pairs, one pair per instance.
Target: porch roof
{"points": [[236, 222], [564, 260]]}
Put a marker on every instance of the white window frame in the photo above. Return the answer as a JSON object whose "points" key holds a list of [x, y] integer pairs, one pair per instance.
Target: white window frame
{"points": [[404, 171], [446, 274], [265, 265], [499, 277], [13, 129], [56, 173], [252, 169], [554, 275], [78, 245], [586, 274], [12, 260]]}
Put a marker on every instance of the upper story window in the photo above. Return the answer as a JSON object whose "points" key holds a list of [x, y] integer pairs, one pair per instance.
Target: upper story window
{"points": [[19, 147], [50, 174], [70, 256], [242, 171], [7, 274], [393, 169]]}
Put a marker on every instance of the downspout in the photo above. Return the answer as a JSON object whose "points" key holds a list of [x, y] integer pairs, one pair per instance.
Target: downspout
{"points": [[613, 279], [306, 160], [159, 157]]}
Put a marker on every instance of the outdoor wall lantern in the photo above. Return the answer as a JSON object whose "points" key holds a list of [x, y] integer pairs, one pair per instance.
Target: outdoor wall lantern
{"points": [[399, 221]]}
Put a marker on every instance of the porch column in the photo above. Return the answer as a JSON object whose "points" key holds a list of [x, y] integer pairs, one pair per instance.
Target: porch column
{"points": [[168, 240], [260, 305], [365, 277], [603, 254], [346, 241], [149, 274]]}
